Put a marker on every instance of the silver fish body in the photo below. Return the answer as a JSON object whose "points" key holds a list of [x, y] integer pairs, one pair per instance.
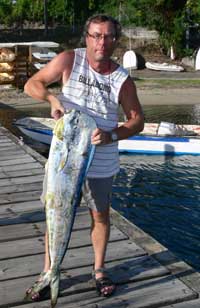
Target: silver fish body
{"points": [[69, 158]]}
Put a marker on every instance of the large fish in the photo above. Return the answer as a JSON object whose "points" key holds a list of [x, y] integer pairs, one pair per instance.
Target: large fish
{"points": [[70, 155]]}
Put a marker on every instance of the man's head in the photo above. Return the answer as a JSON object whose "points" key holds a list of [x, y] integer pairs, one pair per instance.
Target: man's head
{"points": [[102, 19], [101, 33]]}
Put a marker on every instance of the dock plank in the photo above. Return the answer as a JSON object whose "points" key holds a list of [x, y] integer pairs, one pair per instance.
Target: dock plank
{"points": [[12, 156], [21, 187], [79, 279], [21, 180], [11, 218], [20, 173], [131, 259], [28, 246], [20, 207], [191, 304], [77, 257], [17, 161], [34, 214], [9, 148], [19, 197], [157, 292], [37, 228], [21, 167]]}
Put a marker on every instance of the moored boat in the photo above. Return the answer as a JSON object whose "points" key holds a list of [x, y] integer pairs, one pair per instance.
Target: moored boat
{"points": [[163, 138], [164, 67], [130, 60], [39, 66], [47, 56], [197, 61]]}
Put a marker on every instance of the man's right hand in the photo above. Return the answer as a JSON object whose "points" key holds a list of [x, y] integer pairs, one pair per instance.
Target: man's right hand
{"points": [[57, 110]]}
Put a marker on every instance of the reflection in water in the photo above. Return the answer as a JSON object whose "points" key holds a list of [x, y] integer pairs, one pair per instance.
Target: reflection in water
{"points": [[186, 114], [161, 195]]}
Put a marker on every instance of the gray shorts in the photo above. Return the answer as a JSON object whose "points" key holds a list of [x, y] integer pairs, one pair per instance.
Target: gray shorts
{"points": [[97, 193]]}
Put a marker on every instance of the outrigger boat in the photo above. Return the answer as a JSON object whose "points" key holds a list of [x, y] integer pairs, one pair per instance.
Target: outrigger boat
{"points": [[163, 138]]}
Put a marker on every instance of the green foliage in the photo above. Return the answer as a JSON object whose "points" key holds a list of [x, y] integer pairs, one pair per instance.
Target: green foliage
{"points": [[5, 11], [169, 17], [22, 10]]}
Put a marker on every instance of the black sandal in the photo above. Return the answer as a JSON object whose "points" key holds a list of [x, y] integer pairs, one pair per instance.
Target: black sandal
{"points": [[39, 289], [103, 284]]}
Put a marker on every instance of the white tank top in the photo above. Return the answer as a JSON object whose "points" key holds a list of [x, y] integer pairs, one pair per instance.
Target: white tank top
{"points": [[97, 95]]}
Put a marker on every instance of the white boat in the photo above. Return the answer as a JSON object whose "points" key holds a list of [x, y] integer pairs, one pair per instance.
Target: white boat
{"points": [[130, 60], [164, 138], [41, 44], [39, 65], [197, 61], [164, 67], [47, 56]]}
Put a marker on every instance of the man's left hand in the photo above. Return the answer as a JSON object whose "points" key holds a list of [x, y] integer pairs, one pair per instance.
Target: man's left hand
{"points": [[100, 137]]}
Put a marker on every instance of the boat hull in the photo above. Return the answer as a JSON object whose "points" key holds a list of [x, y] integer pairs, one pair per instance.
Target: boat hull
{"points": [[164, 67], [160, 145], [144, 143]]}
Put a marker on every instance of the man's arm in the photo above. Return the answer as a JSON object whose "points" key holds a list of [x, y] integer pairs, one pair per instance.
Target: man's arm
{"points": [[57, 69], [133, 111]]}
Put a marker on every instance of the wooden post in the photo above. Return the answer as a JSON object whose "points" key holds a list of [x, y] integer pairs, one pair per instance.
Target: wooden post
{"points": [[45, 18]]}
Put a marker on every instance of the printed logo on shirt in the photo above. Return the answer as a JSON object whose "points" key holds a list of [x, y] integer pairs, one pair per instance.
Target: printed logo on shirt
{"points": [[94, 83]]}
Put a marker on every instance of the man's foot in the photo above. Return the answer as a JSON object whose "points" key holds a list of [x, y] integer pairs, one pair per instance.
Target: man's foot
{"points": [[39, 289], [104, 285]]}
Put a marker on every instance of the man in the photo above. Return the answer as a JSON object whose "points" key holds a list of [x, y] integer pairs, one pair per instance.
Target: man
{"points": [[95, 84]]}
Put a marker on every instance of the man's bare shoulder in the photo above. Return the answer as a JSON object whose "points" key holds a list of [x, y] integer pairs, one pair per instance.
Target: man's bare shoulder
{"points": [[66, 56], [128, 84]]}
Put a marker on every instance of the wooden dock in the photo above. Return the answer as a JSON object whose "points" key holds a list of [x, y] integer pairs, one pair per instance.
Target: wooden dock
{"points": [[147, 274]]}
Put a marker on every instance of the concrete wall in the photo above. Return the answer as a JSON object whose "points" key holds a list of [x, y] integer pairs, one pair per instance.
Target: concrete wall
{"points": [[141, 33]]}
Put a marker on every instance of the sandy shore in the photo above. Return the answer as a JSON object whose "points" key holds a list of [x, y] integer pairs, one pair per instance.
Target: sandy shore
{"points": [[149, 93], [169, 96]]}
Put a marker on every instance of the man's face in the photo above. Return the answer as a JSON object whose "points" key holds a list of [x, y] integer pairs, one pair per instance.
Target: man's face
{"points": [[100, 41]]}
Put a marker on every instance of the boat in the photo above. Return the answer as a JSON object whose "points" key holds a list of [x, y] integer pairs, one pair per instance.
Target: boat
{"points": [[47, 56], [156, 138], [130, 60], [41, 44], [164, 67], [38, 65], [197, 61], [39, 129]]}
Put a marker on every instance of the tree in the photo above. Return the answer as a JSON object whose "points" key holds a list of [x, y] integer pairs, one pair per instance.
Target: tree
{"points": [[5, 11]]}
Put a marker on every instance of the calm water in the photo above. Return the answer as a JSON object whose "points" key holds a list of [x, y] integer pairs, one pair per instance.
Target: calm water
{"points": [[162, 196], [159, 194]]}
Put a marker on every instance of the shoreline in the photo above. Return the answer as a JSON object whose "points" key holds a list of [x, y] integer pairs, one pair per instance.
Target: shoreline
{"points": [[169, 96], [151, 91]]}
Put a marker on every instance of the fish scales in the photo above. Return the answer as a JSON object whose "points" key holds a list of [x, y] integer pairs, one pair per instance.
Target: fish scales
{"points": [[69, 158]]}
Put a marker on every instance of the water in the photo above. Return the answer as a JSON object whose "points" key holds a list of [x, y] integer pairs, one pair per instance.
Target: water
{"points": [[160, 194], [179, 114]]}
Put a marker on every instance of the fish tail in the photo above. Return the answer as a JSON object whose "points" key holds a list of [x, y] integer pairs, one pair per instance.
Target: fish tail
{"points": [[55, 282]]}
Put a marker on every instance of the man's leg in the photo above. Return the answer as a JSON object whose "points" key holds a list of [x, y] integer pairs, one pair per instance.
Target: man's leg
{"points": [[100, 231], [97, 194]]}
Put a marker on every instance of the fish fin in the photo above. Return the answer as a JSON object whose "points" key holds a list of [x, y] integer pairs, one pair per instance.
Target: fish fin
{"points": [[55, 282]]}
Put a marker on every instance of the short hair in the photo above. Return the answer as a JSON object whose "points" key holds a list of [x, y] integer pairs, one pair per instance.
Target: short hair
{"points": [[103, 18]]}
